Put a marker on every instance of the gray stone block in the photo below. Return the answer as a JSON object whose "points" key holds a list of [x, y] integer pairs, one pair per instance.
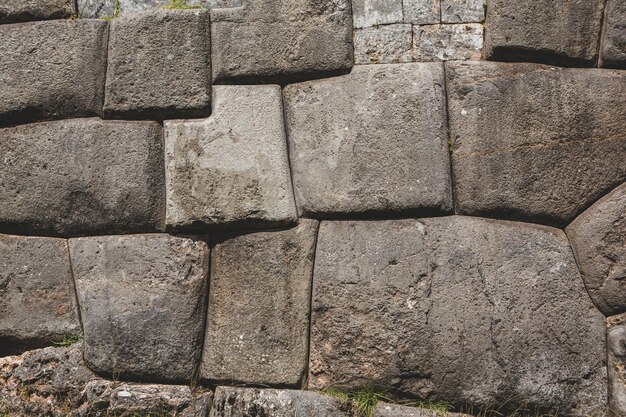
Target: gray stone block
{"points": [[37, 302], [448, 42], [231, 169], [616, 353], [551, 31], [393, 410], [106, 8], [535, 142], [159, 65], [460, 309], [258, 319], [598, 237], [613, 42], [24, 10], [281, 41], [52, 70], [422, 12], [374, 141], [463, 11], [82, 176], [367, 13], [388, 44], [142, 300]]}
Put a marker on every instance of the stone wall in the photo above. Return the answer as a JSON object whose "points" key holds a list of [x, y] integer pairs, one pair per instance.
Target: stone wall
{"points": [[218, 194]]}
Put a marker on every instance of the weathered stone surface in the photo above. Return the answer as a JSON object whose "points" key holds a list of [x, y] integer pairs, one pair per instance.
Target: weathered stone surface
{"points": [[388, 44], [613, 43], [142, 301], [372, 141], [368, 13], [37, 302], [242, 402], [392, 410], [552, 31], [421, 12], [82, 176], [462, 11], [232, 168], [258, 320], [448, 42], [52, 69], [598, 237], [281, 41], [106, 8], [159, 65], [616, 353], [461, 309], [24, 10], [535, 142]]}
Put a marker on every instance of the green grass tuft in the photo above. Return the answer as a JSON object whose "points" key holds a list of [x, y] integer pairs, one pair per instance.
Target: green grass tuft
{"points": [[439, 407], [69, 339], [180, 4]]}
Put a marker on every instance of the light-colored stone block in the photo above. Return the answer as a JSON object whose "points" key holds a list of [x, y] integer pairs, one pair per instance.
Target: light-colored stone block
{"points": [[462, 11], [422, 12], [448, 42], [389, 44], [367, 13]]}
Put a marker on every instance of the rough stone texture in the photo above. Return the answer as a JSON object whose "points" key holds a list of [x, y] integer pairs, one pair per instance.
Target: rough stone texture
{"points": [[243, 402], [461, 309], [535, 142], [142, 301], [392, 410], [104, 8], [281, 41], [368, 13], [24, 10], [37, 302], [550, 31], [81, 176], [448, 42], [232, 168], [613, 44], [372, 141], [159, 65], [463, 11], [616, 353], [387, 44], [598, 237], [258, 320], [422, 12], [52, 69]]}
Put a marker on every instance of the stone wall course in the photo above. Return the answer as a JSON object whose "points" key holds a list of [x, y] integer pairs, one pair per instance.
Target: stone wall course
{"points": [[25, 10], [616, 353]]}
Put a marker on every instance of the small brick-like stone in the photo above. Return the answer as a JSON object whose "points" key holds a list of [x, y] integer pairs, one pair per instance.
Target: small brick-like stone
{"points": [[24, 10], [159, 65], [613, 43], [422, 12], [462, 11], [535, 142], [52, 69], [388, 44], [37, 303], [616, 353], [367, 13], [82, 176], [258, 320], [142, 300], [448, 42], [369, 142], [232, 168]]}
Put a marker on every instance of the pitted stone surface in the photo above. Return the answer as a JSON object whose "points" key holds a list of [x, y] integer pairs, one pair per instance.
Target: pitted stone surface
{"points": [[551, 31], [258, 320], [392, 410], [448, 42], [372, 141], [24, 10], [37, 302], [106, 8], [232, 168], [613, 43], [159, 65], [535, 142], [387, 44], [598, 237], [82, 176], [616, 353], [52, 69], [142, 301], [368, 13], [422, 12], [461, 309], [281, 41], [463, 11]]}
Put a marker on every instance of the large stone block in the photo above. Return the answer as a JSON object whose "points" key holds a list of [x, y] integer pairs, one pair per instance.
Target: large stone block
{"points": [[107, 8], [370, 142], [550, 31], [387, 44], [37, 302], [598, 237], [258, 319], [463, 11], [616, 353], [142, 300], [461, 309], [159, 65], [82, 176], [281, 41], [535, 142], [613, 42], [448, 42], [24, 10], [367, 13], [52, 70], [232, 168]]}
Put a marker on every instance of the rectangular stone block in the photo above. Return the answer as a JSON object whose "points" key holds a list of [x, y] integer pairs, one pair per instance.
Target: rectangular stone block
{"points": [[106, 8], [367, 13], [82, 176], [534, 142], [159, 65], [613, 42], [52, 70], [463, 11], [422, 12], [448, 42], [371, 142], [231, 169], [258, 319], [24, 10], [388, 44]]}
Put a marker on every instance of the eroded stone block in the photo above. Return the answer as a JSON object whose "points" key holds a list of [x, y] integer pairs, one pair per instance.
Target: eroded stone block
{"points": [[369, 142], [448, 42], [107, 8], [613, 43], [232, 168], [535, 142], [24, 10], [462, 11], [142, 301], [367, 13], [421, 12], [460, 309], [388, 44]]}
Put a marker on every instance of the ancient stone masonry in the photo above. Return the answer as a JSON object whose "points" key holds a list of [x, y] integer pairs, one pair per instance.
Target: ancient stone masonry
{"points": [[312, 208]]}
